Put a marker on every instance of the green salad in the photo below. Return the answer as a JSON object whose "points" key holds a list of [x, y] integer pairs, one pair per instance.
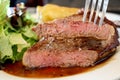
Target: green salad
{"points": [[16, 35]]}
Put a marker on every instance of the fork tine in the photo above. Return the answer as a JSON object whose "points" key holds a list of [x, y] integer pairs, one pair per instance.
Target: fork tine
{"points": [[98, 10], [92, 9], [87, 4], [104, 8]]}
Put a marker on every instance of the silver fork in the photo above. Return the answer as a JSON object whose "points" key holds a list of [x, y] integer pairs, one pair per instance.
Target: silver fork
{"points": [[93, 6]]}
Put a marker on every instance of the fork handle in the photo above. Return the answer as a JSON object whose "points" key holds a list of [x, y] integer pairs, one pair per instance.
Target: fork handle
{"points": [[104, 8], [87, 4]]}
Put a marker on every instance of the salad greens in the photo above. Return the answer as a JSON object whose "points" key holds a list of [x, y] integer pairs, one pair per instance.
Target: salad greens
{"points": [[16, 35], [4, 4]]}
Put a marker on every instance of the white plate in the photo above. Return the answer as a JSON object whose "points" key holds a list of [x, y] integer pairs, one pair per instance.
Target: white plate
{"points": [[110, 71], [113, 17]]}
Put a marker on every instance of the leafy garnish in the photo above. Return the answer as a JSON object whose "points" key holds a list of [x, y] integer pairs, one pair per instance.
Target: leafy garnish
{"points": [[16, 35]]}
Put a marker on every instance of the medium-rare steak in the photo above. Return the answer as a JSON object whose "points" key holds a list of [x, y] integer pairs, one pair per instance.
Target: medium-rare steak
{"points": [[69, 42]]}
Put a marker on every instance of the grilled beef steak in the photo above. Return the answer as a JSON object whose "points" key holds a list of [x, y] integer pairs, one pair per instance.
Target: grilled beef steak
{"points": [[70, 42]]}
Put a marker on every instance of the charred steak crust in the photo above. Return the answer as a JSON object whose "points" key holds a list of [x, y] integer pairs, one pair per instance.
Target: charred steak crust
{"points": [[69, 42]]}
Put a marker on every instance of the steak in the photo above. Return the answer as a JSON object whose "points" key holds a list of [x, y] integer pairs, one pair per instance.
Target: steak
{"points": [[69, 42]]}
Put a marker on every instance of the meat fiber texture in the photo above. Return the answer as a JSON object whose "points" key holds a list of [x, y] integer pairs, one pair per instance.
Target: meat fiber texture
{"points": [[70, 42]]}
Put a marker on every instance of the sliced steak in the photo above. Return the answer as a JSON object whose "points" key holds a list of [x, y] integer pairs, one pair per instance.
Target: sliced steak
{"points": [[69, 42]]}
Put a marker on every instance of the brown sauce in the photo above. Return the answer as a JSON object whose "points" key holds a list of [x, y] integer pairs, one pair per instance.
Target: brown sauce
{"points": [[18, 69]]}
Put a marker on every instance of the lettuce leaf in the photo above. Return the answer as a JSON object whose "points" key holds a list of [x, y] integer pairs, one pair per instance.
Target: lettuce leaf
{"points": [[14, 42], [5, 46], [16, 38], [4, 5]]}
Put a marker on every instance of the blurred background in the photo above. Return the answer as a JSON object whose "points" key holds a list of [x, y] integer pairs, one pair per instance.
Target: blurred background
{"points": [[114, 5]]}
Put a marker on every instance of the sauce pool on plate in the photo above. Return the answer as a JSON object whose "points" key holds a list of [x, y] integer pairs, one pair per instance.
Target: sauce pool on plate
{"points": [[18, 69]]}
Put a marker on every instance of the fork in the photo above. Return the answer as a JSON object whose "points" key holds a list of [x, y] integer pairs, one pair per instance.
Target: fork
{"points": [[95, 4]]}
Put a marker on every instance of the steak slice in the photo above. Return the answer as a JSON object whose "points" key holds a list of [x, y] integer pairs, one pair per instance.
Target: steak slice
{"points": [[73, 27], [69, 42]]}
